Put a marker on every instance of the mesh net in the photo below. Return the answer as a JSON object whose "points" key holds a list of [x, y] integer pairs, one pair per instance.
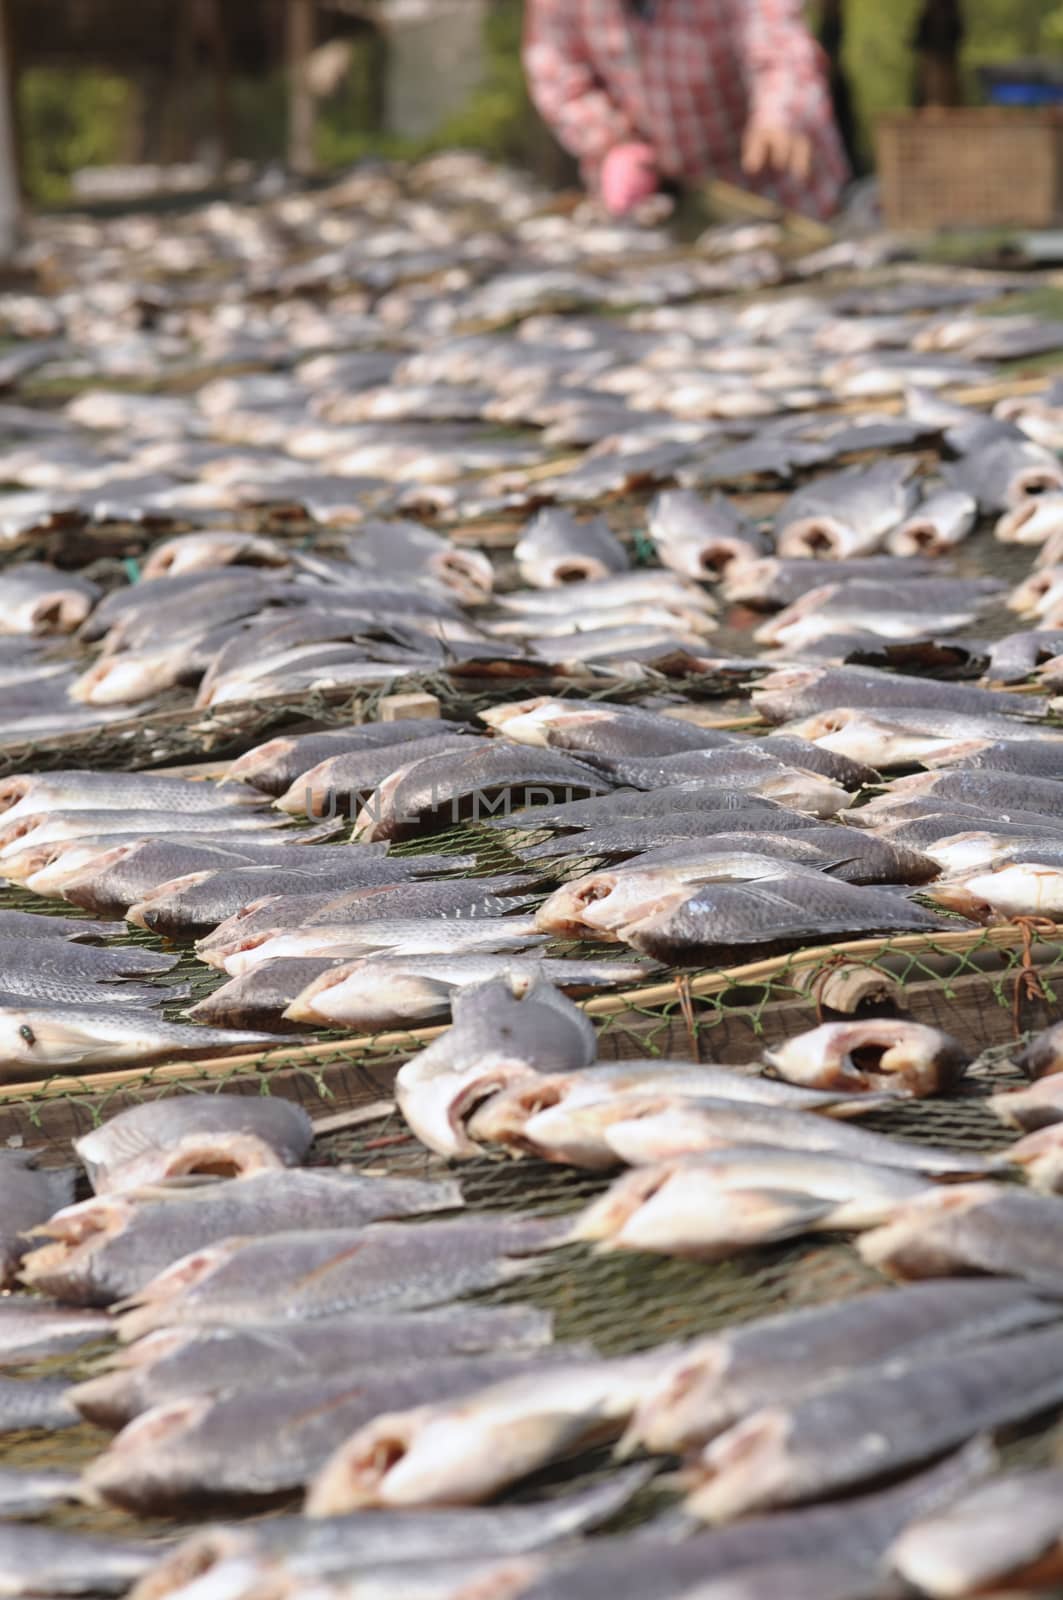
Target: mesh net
{"points": [[990, 987]]}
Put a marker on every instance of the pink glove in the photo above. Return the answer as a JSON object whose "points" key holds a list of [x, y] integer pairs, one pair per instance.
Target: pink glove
{"points": [[629, 175]]}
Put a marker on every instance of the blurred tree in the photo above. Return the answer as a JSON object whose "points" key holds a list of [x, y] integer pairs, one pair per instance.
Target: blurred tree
{"points": [[70, 118], [936, 44]]}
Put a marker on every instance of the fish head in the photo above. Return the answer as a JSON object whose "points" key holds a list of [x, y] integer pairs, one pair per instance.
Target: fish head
{"points": [[215, 1155], [110, 1399], [603, 903], [48, 863], [1033, 481], [691, 1214], [643, 1135], [1040, 1156], [148, 911], [955, 752], [1032, 521], [564, 912], [776, 629], [502, 1118], [360, 990], [61, 611], [963, 853], [879, 1053], [747, 581], [15, 790], [467, 573], [527, 721], [718, 555], [819, 535], [1040, 587], [743, 1469], [35, 1042], [194, 1557], [101, 1216], [112, 1475], [802, 632], [375, 820], [241, 956], [578, 1135], [74, 1234], [919, 536], [17, 829], [308, 794], [80, 876], [257, 761], [806, 791], [152, 1348], [1034, 1107], [573, 567], [1018, 889], [914, 1243], [685, 1405], [150, 1307], [123, 679], [605, 1217], [353, 1476], [956, 894], [439, 1108], [1043, 1056], [861, 736]]}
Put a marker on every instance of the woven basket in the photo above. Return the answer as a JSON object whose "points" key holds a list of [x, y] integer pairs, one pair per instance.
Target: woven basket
{"points": [[979, 167]]}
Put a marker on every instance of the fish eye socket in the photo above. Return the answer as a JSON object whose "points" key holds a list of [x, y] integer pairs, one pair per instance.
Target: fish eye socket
{"points": [[27, 1033]]}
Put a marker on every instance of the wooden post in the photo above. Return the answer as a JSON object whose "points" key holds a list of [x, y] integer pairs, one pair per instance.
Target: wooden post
{"points": [[301, 19], [10, 197]]}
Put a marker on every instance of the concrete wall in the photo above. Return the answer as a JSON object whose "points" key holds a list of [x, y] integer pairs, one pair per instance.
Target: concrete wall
{"points": [[435, 61]]}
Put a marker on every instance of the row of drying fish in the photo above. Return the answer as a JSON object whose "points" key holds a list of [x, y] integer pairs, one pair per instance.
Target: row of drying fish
{"points": [[353, 309], [711, 846], [318, 1346], [243, 616]]}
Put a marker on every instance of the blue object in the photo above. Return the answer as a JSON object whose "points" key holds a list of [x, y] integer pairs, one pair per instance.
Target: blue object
{"points": [[1025, 94]]}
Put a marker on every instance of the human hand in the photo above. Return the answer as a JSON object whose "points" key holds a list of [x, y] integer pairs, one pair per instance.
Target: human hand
{"points": [[629, 175], [772, 145]]}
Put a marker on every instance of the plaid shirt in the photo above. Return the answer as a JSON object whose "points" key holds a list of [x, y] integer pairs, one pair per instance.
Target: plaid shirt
{"points": [[686, 80]]}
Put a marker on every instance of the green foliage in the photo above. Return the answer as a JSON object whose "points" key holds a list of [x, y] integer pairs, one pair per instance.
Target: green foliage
{"points": [[497, 118], [70, 119]]}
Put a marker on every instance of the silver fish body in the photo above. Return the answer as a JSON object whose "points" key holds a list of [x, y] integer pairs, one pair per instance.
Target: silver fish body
{"points": [[175, 1363], [974, 1227], [856, 1431], [716, 1381], [709, 1206], [382, 991], [709, 1124], [226, 1134], [299, 1276], [320, 1548], [462, 1451], [183, 1450], [105, 1249], [272, 767]]}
